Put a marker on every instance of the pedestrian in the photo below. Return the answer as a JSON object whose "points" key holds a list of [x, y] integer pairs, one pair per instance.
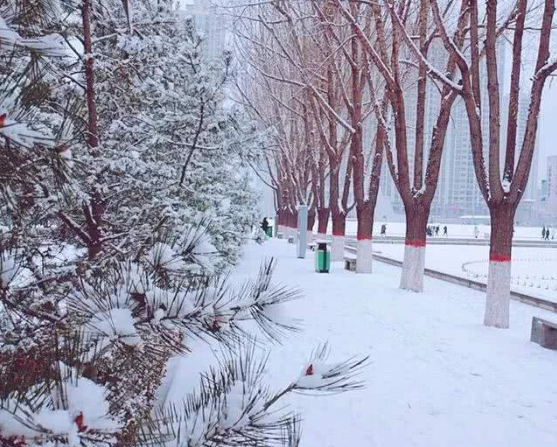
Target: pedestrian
{"points": [[265, 225], [385, 229], [547, 234], [543, 232], [445, 231], [437, 230]]}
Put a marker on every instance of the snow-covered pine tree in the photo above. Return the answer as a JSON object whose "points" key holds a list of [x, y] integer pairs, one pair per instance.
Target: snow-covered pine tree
{"points": [[85, 341], [157, 99]]}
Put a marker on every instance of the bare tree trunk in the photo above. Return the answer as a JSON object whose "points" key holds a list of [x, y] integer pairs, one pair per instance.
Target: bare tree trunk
{"points": [[339, 230], [288, 223], [293, 223], [322, 222], [93, 218], [94, 210], [280, 227], [499, 276], [414, 249], [311, 223], [364, 255]]}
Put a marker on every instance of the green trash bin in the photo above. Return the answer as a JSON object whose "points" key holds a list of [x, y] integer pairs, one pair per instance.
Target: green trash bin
{"points": [[322, 258], [269, 232]]}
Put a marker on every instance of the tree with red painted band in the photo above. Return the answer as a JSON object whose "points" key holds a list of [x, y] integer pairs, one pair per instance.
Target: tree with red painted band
{"points": [[283, 31], [387, 51], [292, 165], [338, 163], [352, 72], [502, 187]]}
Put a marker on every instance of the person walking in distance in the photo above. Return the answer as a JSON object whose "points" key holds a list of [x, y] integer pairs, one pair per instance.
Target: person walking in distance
{"points": [[265, 225], [445, 231]]}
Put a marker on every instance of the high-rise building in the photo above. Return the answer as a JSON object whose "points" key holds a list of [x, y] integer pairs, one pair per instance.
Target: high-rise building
{"points": [[551, 197], [209, 24]]}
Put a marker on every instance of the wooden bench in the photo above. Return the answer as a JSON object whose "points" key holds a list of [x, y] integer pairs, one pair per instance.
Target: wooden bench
{"points": [[544, 333], [350, 262]]}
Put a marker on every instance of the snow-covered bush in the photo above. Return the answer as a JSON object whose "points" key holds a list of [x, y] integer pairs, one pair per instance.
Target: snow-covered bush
{"points": [[111, 248], [172, 154]]}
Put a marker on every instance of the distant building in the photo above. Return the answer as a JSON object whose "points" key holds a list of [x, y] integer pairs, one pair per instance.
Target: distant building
{"points": [[542, 194], [210, 25], [551, 195]]}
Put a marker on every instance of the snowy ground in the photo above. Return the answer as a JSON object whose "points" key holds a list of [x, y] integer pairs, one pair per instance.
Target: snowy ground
{"points": [[534, 270], [437, 377]]}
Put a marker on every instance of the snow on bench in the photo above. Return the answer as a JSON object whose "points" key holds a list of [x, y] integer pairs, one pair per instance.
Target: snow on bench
{"points": [[350, 262], [544, 333]]}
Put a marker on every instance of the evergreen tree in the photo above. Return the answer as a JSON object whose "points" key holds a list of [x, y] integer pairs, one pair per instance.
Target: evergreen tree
{"points": [[124, 193]]}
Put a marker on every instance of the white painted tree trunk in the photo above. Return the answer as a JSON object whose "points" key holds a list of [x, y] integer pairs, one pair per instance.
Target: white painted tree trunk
{"points": [[413, 268], [310, 237], [364, 257], [321, 236], [282, 229], [337, 249], [498, 294]]}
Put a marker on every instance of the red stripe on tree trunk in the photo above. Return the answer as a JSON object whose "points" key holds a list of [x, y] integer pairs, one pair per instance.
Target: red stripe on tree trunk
{"points": [[499, 258], [415, 242], [338, 233], [364, 237]]}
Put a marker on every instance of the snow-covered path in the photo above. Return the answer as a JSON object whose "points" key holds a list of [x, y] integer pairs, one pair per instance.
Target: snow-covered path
{"points": [[437, 377]]}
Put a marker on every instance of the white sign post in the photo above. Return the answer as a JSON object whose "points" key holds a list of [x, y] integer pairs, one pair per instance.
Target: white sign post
{"points": [[302, 233]]}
